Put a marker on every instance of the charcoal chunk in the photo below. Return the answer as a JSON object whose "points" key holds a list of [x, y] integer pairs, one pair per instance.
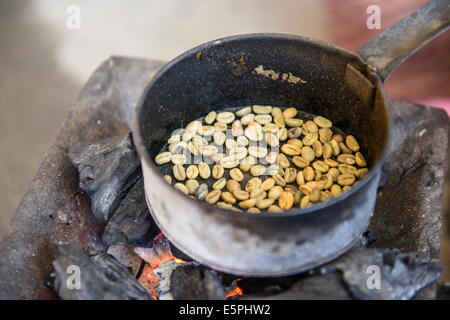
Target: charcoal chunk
{"points": [[191, 281], [131, 223], [317, 287], [102, 277], [401, 275], [107, 170]]}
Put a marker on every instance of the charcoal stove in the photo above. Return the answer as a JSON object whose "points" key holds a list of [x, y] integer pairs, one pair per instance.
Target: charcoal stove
{"points": [[55, 211]]}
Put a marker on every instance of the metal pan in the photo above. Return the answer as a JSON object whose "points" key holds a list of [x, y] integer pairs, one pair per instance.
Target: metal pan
{"points": [[343, 86]]}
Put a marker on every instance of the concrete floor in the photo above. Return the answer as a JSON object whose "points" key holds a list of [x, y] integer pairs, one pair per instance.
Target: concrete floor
{"points": [[44, 65]]}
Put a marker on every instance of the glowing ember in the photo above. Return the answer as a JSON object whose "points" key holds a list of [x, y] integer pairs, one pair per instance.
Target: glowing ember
{"points": [[234, 290], [237, 291], [159, 256]]}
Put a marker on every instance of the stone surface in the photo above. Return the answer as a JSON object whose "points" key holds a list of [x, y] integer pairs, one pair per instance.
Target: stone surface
{"points": [[410, 201], [55, 210], [401, 275]]}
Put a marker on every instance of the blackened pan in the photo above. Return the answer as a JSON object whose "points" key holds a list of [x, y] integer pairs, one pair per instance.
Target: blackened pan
{"points": [[343, 86]]}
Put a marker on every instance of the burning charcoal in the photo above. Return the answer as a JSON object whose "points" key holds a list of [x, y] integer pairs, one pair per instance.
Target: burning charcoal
{"points": [[101, 277], [401, 275], [166, 277], [127, 257], [131, 223], [107, 169], [317, 287]]}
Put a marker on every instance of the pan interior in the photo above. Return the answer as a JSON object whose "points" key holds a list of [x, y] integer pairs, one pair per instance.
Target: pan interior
{"points": [[265, 70]]}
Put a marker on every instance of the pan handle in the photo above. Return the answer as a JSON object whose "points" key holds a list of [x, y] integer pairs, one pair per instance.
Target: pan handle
{"points": [[389, 49]]}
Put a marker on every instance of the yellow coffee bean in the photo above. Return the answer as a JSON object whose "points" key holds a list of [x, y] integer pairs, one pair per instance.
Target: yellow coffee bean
{"points": [[272, 140], [178, 172], [327, 150], [279, 120], [290, 149], [219, 138], [318, 148], [311, 126], [346, 168], [293, 122], [275, 192], [209, 150], [290, 112], [253, 210], [243, 111], [168, 179], [286, 200], [309, 139], [262, 109], [213, 196], [225, 117], [308, 174], [352, 143], [323, 122], [279, 180], [232, 186], [241, 194], [219, 184], [203, 170], [338, 138], [229, 162], [206, 131], [242, 141], [272, 157], [246, 204], [236, 128], [163, 158], [331, 163], [182, 188], [308, 153], [192, 172], [228, 197], [300, 178], [346, 158], [236, 174], [282, 134], [321, 166], [360, 173], [360, 160], [258, 170], [336, 190], [343, 148], [192, 186], [305, 202], [275, 209], [290, 174], [253, 184], [300, 162], [254, 133], [220, 126], [247, 163], [263, 118], [346, 179], [217, 171], [268, 184], [263, 204], [276, 112], [247, 119], [325, 135], [210, 117], [336, 148]]}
